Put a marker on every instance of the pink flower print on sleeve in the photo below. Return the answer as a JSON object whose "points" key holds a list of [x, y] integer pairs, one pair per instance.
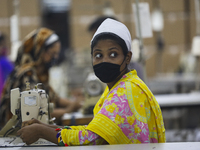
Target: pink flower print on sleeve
{"points": [[90, 138]]}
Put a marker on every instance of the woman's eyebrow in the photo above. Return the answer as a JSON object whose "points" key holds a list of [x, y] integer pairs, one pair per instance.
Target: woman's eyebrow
{"points": [[113, 48], [96, 50]]}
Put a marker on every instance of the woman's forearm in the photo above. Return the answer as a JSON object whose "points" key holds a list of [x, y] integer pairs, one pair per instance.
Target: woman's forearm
{"points": [[48, 133]]}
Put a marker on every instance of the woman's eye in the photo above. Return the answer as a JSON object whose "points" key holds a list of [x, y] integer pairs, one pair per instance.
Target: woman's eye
{"points": [[98, 55], [113, 54]]}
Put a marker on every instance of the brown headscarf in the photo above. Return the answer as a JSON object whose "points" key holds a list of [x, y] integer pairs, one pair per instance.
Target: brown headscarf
{"points": [[28, 59], [32, 46]]}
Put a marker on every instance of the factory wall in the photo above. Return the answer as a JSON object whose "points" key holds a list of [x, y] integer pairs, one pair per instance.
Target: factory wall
{"points": [[29, 13], [179, 29]]}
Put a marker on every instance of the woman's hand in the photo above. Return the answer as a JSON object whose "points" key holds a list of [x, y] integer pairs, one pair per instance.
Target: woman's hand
{"points": [[29, 122], [29, 133]]}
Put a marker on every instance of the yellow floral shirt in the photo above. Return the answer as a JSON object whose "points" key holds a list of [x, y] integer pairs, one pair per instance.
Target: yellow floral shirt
{"points": [[128, 113]]}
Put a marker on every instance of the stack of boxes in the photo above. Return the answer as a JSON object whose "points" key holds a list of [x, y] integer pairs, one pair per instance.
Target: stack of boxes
{"points": [[179, 28], [29, 13]]}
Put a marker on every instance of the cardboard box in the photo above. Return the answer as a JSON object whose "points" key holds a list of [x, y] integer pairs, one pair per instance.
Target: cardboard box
{"points": [[179, 27], [192, 6], [150, 65], [30, 16], [5, 19], [85, 7], [168, 60], [174, 29], [30, 8], [193, 25], [4, 7], [171, 57], [172, 5]]}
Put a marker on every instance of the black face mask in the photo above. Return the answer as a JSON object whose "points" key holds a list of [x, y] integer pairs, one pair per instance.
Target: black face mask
{"points": [[51, 63], [107, 72]]}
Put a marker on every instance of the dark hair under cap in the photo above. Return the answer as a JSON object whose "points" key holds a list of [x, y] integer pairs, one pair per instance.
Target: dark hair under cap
{"points": [[97, 22], [111, 36]]}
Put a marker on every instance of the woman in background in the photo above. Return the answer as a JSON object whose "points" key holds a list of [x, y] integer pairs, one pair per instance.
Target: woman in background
{"points": [[37, 54], [126, 113], [6, 66]]}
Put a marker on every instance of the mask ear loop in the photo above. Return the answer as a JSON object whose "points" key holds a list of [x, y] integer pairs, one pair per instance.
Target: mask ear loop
{"points": [[122, 63]]}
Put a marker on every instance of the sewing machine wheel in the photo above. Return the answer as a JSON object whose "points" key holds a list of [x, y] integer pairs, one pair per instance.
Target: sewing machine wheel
{"points": [[94, 88]]}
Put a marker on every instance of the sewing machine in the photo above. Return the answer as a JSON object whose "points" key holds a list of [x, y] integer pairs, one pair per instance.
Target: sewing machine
{"points": [[25, 105], [93, 90]]}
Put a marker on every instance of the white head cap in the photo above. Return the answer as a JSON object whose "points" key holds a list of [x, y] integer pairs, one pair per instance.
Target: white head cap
{"points": [[53, 38], [117, 28]]}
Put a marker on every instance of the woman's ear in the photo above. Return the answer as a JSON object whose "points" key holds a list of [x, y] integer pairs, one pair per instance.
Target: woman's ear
{"points": [[128, 57]]}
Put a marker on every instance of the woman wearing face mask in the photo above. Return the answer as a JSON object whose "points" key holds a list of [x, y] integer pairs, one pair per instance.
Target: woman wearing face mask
{"points": [[127, 111], [36, 55]]}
